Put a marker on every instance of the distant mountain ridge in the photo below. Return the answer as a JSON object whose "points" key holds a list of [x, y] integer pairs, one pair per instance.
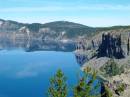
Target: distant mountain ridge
{"points": [[58, 35], [72, 30]]}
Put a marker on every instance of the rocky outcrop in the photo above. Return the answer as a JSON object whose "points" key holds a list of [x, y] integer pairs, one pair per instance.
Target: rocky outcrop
{"points": [[111, 46]]}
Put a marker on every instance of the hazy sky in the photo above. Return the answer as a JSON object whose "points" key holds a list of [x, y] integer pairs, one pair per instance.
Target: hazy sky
{"points": [[88, 12]]}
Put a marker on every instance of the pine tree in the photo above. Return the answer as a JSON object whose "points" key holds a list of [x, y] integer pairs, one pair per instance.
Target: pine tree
{"points": [[112, 68], [106, 92], [58, 86], [85, 86]]}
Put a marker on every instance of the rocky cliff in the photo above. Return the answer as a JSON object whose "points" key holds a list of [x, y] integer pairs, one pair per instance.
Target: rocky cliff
{"points": [[59, 34]]}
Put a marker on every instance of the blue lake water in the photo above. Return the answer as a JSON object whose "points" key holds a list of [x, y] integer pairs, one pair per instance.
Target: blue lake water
{"points": [[26, 74]]}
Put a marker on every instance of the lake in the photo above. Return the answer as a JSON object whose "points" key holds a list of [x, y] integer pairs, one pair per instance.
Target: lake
{"points": [[27, 74]]}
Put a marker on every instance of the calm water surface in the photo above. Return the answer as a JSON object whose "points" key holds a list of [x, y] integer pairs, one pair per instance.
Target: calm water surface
{"points": [[26, 74]]}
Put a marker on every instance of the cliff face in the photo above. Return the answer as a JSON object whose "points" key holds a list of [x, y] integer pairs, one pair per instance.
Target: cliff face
{"points": [[111, 46], [59, 28], [52, 34], [59, 35], [104, 45]]}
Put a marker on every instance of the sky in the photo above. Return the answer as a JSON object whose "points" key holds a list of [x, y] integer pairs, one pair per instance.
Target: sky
{"points": [[95, 13]]}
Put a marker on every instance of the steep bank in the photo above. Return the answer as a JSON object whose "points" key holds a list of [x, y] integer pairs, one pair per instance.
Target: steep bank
{"points": [[63, 33], [108, 53]]}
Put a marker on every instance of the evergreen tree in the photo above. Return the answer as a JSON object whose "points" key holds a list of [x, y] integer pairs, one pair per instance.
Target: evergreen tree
{"points": [[58, 86], [107, 92], [112, 68], [85, 87]]}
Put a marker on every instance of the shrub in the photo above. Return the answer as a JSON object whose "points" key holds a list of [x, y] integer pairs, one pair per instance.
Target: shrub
{"points": [[121, 87], [111, 68]]}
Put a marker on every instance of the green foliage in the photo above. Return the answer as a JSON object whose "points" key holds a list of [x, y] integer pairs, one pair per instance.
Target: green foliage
{"points": [[107, 92], [84, 88], [121, 87], [112, 68], [58, 86], [113, 28], [72, 30], [94, 53], [34, 27], [122, 70]]}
